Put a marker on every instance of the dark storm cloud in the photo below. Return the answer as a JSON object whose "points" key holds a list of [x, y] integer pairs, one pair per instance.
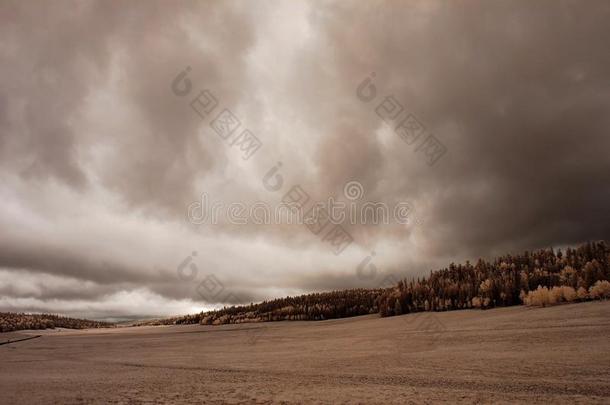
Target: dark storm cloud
{"points": [[100, 159], [520, 97], [59, 58]]}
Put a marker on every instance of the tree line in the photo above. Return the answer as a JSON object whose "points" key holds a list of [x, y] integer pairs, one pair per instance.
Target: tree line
{"points": [[542, 277], [10, 321], [308, 307]]}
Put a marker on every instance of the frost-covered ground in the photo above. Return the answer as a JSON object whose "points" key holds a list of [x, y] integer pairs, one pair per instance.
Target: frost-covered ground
{"points": [[559, 354]]}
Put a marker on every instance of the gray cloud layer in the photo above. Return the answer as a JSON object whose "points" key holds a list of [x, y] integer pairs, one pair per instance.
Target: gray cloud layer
{"points": [[99, 159]]}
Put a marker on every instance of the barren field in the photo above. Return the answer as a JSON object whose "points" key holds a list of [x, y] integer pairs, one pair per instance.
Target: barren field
{"points": [[559, 354]]}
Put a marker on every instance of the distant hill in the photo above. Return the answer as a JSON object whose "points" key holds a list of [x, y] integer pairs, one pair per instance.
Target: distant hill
{"points": [[309, 307], [543, 277], [10, 321]]}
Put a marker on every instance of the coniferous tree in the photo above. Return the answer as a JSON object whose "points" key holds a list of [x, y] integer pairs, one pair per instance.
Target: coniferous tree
{"points": [[561, 276]]}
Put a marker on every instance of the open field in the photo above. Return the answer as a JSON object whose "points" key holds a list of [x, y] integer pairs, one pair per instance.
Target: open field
{"points": [[515, 354]]}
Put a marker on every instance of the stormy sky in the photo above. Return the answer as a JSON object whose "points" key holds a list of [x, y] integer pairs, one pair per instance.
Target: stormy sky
{"points": [[102, 151]]}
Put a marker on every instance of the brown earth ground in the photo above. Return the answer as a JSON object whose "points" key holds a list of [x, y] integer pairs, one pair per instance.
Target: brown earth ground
{"points": [[559, 354]]}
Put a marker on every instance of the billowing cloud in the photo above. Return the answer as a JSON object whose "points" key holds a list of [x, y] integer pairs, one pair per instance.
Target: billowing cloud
{"points": [[101, 157]]}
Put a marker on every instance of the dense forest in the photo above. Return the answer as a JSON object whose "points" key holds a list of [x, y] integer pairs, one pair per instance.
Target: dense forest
{"points": [[543, 277], [309, 307], [10, 321]]}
